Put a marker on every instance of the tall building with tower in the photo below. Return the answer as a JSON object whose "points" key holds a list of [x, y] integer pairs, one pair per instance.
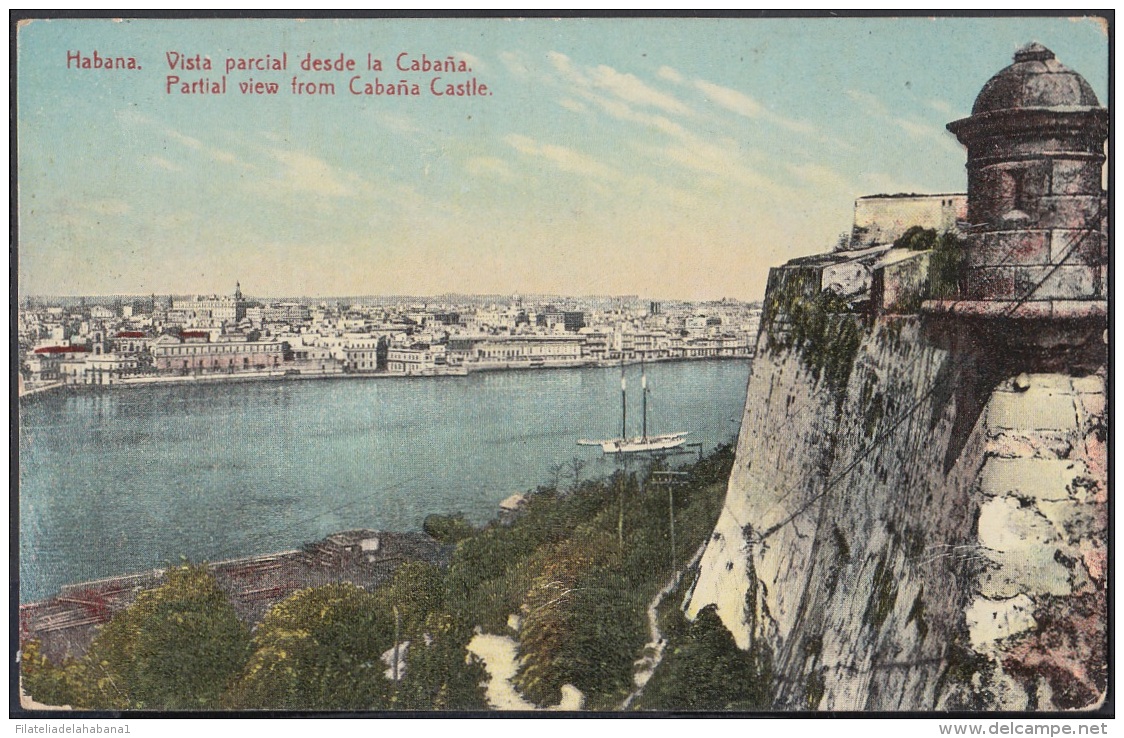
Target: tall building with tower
{"points": [[210, 310]]}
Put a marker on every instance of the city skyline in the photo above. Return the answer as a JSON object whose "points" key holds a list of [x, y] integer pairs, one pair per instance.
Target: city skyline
{"points": [[443, 297], [671, 159]]}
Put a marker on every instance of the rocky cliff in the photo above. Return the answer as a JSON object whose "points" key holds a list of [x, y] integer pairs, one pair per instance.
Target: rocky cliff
{"points": [[920, 521]]}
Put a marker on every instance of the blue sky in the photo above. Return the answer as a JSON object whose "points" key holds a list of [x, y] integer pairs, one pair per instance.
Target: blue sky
{"points": [[669, 158]]}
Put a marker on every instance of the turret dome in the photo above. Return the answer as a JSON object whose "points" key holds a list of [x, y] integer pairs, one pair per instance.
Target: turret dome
{"points": [[1035, 80]]}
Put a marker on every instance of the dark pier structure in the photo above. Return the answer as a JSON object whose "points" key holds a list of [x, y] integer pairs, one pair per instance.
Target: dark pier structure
{"points": [[66, 623]]}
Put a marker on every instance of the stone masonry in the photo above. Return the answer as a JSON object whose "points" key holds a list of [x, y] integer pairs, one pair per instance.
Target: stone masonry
{"points": [[1036, 209]]}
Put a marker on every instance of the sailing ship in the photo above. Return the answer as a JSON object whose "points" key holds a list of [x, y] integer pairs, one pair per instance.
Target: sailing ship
{"points": [[642, 443]]}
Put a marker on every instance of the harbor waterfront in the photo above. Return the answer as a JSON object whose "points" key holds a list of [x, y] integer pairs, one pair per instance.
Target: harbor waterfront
{"points": [[118, 482]]}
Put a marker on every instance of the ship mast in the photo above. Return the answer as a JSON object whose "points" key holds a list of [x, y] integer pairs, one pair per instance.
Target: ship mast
{"points": [[644, 395], [624, 405]]}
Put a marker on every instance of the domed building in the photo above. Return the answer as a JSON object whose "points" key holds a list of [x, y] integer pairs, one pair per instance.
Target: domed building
{"points": [[1037, 213]]}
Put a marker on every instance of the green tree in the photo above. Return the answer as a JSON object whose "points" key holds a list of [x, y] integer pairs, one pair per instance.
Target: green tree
{"points": [[440, 673], [176, 648], [319, 649], [483, 584], [946, 266], [607, 631], [48, 684], [491, 571], [448, 529], [579, 625], [917, 238], [704, 670]]}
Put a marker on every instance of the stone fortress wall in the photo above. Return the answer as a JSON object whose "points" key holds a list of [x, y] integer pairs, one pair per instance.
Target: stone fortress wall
{"points": [[923, 526]]}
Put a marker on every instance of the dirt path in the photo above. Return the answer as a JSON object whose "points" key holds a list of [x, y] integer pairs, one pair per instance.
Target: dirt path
{"points": [[498, 654], [647, 664]]}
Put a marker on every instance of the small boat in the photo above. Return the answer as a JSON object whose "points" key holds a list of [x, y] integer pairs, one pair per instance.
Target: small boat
{"points": [[642, 443]]}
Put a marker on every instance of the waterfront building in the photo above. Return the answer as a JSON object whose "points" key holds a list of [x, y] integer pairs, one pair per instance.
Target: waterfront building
{"points": [[308, 357], [461, 349], [530, 350], [192, 351], [49, 364], [415, 358], [651, 344], [79, 365], [595, 347], [364, 352], [290, 337], [102, 369], [700, 348]]}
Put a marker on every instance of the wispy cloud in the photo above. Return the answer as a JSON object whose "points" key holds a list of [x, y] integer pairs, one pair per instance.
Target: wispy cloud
{"points": [[565, 159], [732, 100], [873, 104], [940, 106], [621, 85], [573, 105], [915, 129], [621, 96], [474, 61], [225, 157], [562, 64], [301, 172], [515, 63], [185, 140], [818, 174], [798, 126], [630, 88], [212, 152], [397, 122], [671, 75], [744, 105], [163, 163], [626, 97], [720, 160], [489, 166], [623, 111]]}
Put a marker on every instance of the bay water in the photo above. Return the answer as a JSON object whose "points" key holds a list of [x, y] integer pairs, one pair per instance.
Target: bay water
{"points": [[131, 479]]}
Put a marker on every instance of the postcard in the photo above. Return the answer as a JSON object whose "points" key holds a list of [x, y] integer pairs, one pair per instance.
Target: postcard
{"points": [[715, 365]]}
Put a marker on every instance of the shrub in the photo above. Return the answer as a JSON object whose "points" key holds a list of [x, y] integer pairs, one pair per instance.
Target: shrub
{"points": [[176, 648], [704, 670]]}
